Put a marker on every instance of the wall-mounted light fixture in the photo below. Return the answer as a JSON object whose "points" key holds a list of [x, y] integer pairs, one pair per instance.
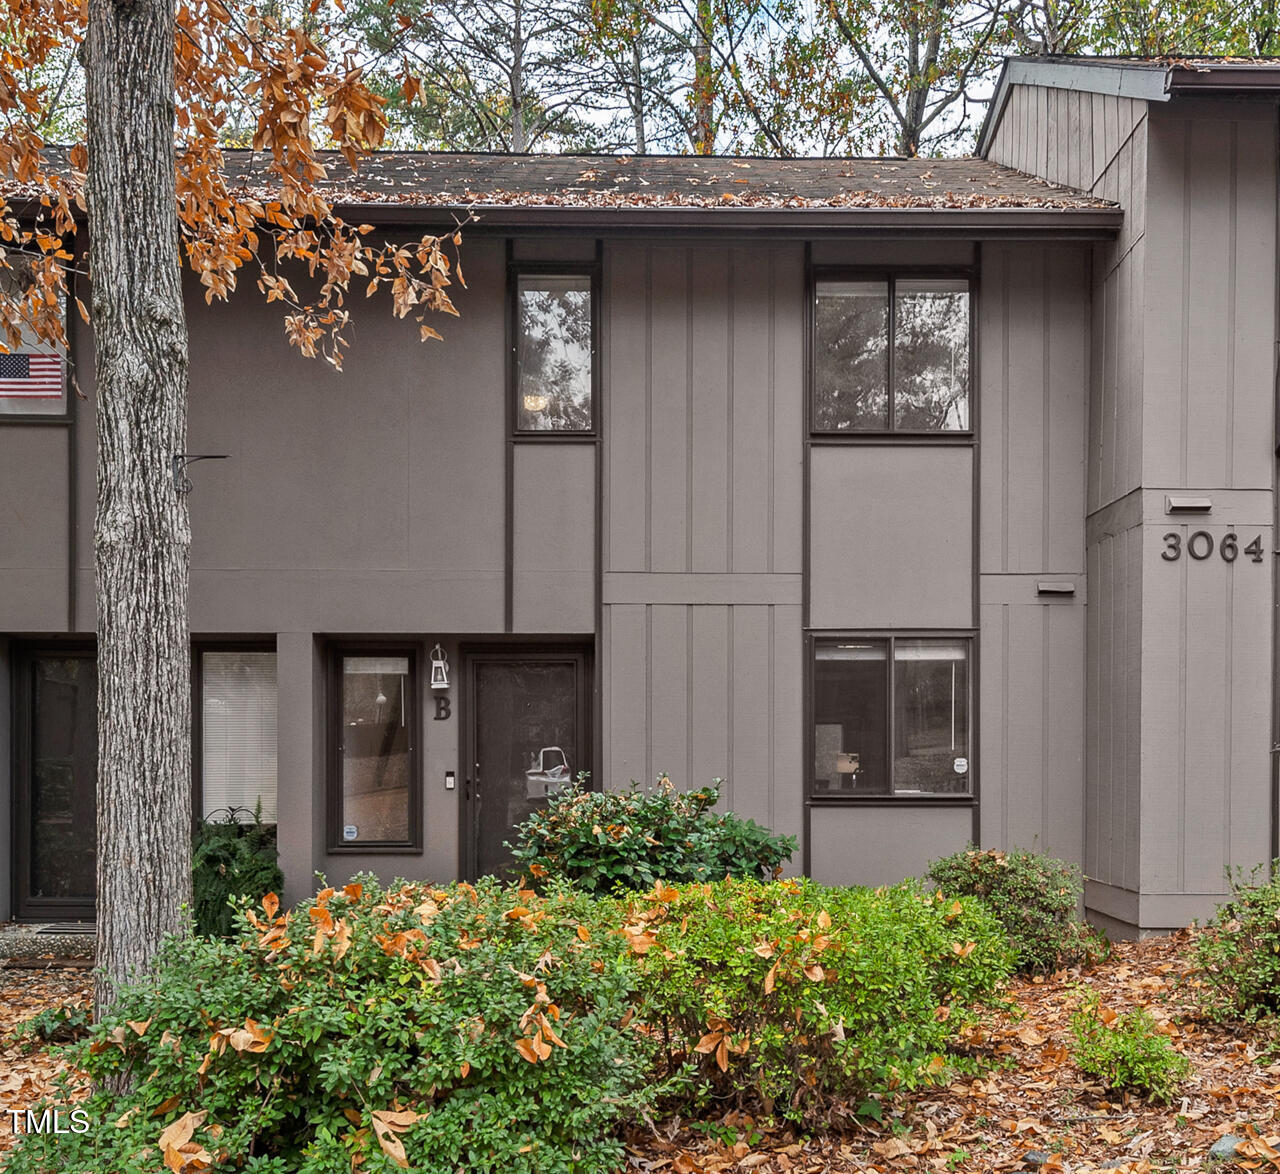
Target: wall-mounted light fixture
{"points": [[439, 668]]}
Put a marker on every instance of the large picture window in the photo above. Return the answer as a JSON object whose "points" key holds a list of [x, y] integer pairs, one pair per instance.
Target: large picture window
{"points": [[375, 792], [890, 717], [237, 733], [891, 354], [554, 352]]}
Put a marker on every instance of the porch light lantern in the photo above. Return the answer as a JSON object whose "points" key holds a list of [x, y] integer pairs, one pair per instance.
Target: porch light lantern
{"points": [[439, 668]]}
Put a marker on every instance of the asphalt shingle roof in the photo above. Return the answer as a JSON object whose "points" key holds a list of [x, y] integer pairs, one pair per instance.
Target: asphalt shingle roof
{"points": [[447, 179]]}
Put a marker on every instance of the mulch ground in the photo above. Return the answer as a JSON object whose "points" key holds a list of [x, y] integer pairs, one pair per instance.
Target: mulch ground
{"points": [[1031, 1101]]}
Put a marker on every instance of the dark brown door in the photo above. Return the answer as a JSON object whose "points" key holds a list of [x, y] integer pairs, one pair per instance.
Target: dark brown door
{"points": [[528, 733], [56, 739]]}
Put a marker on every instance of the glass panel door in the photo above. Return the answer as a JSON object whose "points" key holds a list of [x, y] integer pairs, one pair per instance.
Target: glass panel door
{"points": [[529, 736], [56, 829]]}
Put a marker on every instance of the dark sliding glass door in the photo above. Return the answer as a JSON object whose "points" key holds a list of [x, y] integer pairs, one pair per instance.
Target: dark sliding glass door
{"points": [[56, 739]]}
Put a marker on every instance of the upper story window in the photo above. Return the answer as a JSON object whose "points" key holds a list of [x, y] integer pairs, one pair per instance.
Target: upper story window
{"points": [[891, 354], [33, 376], [554, 352]]}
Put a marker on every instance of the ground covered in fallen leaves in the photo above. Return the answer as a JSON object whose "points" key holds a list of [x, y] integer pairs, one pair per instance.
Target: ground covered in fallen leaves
{"points": [[1030, 1100]]}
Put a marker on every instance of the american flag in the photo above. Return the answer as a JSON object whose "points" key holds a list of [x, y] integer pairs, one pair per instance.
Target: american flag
{"points": [[30, 376]]}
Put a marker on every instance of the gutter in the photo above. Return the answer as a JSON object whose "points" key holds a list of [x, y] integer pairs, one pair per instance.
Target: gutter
{"points": [[1101, 223]]}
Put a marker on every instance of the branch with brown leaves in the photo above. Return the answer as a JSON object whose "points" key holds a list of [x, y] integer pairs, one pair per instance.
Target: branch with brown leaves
{"points": [[223, 56]]}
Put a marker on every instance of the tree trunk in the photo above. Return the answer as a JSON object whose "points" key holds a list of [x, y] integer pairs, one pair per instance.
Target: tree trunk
{"points": [[637, 95], [703, 82], [519, 140], [141, 532]]}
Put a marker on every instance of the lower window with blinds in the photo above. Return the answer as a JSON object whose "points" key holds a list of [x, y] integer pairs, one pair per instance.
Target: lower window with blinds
{"points": [[237, 735], [890, 717]]}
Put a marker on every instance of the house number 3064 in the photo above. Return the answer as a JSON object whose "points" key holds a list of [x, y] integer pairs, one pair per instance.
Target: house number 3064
{"points": [[1201, 546]]}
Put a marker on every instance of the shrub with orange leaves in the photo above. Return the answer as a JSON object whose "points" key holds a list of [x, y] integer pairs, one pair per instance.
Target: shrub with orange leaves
{"points": [[802, 999], [486, 1028]]}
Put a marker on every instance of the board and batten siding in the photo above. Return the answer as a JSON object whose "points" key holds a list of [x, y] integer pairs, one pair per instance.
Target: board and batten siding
{"points": [[1033, 350], [1208, 429], [1181, 380], [701, 629]]}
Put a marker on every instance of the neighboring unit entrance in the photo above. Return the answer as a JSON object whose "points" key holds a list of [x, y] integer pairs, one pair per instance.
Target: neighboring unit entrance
{"points": [[56, 756], [528, 733]]}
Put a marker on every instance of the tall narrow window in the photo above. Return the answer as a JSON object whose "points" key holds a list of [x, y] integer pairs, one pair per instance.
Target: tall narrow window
{"points": [[890, 717], [238, 734], [554, 358], [375, 798], [891, 354]]}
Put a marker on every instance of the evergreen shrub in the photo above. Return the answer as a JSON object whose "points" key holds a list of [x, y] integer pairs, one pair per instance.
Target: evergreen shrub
{"points": [[1036, 899], [484, 1029], [800, 999], [602, 841], [231, 859], [1238, 955], [1126, 1051]]}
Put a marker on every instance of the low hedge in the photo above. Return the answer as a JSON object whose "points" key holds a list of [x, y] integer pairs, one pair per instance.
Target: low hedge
{"points": [[492, 1028], [477, 1028], [796, 997]]}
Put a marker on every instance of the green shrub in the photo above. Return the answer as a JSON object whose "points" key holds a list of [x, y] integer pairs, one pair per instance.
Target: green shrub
{"points": [[1127, 1052], [54, 1025], [1034, 896], [231, 860], [605, 840], [799, 997], [483, 1029], [1238, 955]]}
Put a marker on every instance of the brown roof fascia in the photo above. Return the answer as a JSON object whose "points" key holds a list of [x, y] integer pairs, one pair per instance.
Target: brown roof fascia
{"points": [[1101, 223]]}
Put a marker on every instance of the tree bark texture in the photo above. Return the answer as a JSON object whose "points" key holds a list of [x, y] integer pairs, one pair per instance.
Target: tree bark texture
{"points": [[141, 531]]}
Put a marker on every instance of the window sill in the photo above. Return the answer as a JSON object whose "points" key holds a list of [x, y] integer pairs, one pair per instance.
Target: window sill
{"points": [[904, 438], [916, 800], [374, 850]]}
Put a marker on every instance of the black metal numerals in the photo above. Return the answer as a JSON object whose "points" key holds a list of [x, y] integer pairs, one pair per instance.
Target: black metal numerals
{"points": [[1201, 546]]}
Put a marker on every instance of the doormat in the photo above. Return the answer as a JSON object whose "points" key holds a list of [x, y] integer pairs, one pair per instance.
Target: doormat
{"points": [[70, 927]]}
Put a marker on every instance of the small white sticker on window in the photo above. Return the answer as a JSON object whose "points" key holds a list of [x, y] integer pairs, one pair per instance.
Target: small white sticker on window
{"points": [[350, 832], [960, 766]]}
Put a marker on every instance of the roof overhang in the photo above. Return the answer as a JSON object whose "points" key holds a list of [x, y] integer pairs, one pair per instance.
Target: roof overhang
{"points": [[1146, 81], [1102, 223]]}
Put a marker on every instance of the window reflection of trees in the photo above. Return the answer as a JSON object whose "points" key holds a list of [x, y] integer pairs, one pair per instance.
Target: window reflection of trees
{"points": [[931, 356], [926, 337], [851, 372], [554, 354]]}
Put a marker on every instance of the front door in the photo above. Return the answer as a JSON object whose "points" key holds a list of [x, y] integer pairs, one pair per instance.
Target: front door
{"points": [[528, 717], [56, 739]]}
